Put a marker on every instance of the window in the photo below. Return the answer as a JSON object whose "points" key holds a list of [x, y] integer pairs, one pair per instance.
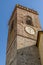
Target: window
{"points": [[29, 20], [12, 25]]}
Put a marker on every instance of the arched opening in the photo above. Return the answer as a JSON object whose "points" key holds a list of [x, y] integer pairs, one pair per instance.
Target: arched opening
{"points": [[29, 20]]}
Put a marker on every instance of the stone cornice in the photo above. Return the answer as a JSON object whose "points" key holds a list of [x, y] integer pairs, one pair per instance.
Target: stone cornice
{"points": [[27, 9]]}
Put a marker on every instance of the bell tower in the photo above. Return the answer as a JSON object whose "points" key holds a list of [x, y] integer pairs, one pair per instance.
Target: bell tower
{"points": [[22, 37]]}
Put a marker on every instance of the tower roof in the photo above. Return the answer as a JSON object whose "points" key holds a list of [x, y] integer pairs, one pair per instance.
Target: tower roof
{"points": [[24, 8]]}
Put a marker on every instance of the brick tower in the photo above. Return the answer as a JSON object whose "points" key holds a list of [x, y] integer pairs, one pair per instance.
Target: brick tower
{"points": [[22, 37]]}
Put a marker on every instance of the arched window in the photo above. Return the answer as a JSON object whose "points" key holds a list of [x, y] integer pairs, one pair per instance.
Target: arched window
{"points": [[29, 20], [12, 25]]}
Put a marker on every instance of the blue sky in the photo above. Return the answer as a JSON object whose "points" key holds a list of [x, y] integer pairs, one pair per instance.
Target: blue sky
{"points": [[6, 8]]}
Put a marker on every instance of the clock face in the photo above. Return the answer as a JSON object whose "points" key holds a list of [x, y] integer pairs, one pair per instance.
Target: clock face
{"points": [[30, 30]]}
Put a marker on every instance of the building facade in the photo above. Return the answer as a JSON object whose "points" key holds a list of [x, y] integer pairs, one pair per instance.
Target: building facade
{"points": [[22, 37]]}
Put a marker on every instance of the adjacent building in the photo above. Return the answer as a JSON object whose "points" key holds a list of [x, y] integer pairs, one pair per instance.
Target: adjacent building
{"points": [[40, 45]]}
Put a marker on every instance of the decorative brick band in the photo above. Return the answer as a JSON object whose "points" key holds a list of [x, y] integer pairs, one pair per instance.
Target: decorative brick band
{"points": [[25, 37]]}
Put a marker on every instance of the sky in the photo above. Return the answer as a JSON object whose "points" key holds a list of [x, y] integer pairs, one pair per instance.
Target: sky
{"points": [[6, 9]]}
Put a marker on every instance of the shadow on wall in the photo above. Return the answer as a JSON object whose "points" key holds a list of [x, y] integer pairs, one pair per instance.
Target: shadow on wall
{"points": [[28, 56]]}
